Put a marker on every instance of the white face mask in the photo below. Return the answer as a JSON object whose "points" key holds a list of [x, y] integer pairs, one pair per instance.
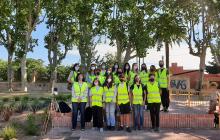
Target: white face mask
{"points": [[96, 83], [127, 67], [103, 67], [92, 68], [77, 68], [109, 80], [135, 67], [116, 66]]}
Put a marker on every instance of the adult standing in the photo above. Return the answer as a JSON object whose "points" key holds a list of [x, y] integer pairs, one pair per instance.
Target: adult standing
{"points": [[163, 84], [79, 100], [154, 101]]}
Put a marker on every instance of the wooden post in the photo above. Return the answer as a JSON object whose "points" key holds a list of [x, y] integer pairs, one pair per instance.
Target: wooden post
{"points": [[189, 100]]}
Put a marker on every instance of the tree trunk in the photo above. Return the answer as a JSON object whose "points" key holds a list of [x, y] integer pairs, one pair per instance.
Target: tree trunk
{"points": [[10, 80], [202, 68], [23, 74], [24, 64], [119, 52], [167, 51]]}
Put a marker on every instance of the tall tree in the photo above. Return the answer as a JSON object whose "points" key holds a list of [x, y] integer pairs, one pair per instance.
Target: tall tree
{"points": [[31, 10], [62, 32], [11, 31]]}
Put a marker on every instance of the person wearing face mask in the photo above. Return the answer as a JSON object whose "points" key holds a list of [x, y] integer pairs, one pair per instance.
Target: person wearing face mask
{"points": [[115, 68], [90, 76], [126, 71], [163, 83], [110, 92], [123, 101], [154, 101], [144, 75], [153, 70], [96, 98], [138, 97], [72, 76], [79, 100], [117, 75], [133, 73]]}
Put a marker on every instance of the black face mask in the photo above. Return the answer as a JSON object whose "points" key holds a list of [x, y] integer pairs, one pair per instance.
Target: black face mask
{"points": [[98, 73], [151, 70], [151, 79], [161, 65], [143, 68]]}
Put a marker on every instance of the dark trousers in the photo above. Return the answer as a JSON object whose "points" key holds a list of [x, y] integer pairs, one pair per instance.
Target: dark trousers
{"points": [[97, 115], [165, 97], [75, 108], [154, 114]]}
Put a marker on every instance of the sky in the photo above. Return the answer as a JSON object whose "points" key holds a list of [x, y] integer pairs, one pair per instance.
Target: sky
{"points": [[178, 53]]}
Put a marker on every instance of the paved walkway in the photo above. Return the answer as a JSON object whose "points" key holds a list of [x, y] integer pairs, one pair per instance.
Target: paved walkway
{"points": [[165, 134]]}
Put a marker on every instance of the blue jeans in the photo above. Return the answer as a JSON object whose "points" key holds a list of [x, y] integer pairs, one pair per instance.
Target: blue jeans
{"points": [[138, 115], [110, 113], [75, 107]]}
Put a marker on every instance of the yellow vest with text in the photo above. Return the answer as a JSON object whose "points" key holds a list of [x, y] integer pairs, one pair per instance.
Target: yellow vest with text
{"points": [[97, 96], [153, 95], [80, 91], [137, 95], [123, 96], [109, 94], [162, 78]]}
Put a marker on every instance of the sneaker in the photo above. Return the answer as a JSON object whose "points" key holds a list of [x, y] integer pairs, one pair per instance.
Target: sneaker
{"points": [[157, 130], [94, 128], [101, 130], [135, 128], [152, 129], [73, 129], [128, 129], [82, 129], [120, 128], [140, 128]]}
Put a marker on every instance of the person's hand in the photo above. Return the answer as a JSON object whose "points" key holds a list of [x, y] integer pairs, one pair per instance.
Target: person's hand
{"points": [[79, 100]]}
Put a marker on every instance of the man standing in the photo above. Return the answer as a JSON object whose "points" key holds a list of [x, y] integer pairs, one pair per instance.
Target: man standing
{"points": [[163, 84]]}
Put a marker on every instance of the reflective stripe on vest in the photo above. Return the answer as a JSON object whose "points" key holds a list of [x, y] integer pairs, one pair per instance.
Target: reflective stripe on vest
{"points": [[144, 77], [153, 95], [123, 97], [162, 78], [97, 96], [80, 91], [137, 95], [109, 94]]}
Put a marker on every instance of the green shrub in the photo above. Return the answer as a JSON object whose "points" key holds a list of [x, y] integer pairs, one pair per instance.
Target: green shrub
{"points": [[35, 105], [5, 99], [21, 106], [31, 127], [16, 98], [9, 132], [25, 98]]}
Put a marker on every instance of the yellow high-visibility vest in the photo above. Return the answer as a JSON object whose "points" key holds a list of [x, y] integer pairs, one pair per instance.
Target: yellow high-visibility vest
{"points": [[153, 95], [137, 95], [123, 96], [109, 94], [80, 91], [97, 96], [162, 78], [144, 76]]}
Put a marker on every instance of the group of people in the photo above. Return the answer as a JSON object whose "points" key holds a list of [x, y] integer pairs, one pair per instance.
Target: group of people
{"points": [[125, 90]]}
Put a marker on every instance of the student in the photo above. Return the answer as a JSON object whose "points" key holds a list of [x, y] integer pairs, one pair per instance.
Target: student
{"points": [[90, 76], [110, 92], [79, 100], [124, 104], [138, 94], [116, 76], [154, 101], [133, 73], [101, 75], [115, 68], [72, 76], [153, 70], [144, 75], [96, 98], [163, 84], [126, 71]]}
